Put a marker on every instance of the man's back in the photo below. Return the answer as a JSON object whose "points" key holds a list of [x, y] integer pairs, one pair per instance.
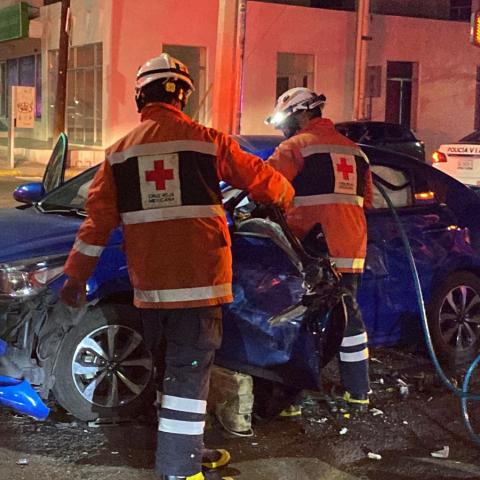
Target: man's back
{"points": [[332, 184]]}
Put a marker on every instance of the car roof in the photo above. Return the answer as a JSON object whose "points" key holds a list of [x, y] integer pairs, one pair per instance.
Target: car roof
{"points": [[373, 123], [261, 145], [473, 137], [264, 145]]}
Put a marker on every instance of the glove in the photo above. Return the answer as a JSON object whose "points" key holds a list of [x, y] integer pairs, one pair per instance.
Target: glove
{"points": [[74, 292]]}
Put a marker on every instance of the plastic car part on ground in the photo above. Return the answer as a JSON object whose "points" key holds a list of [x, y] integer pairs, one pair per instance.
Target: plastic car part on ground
{"points": [[19, 395]]}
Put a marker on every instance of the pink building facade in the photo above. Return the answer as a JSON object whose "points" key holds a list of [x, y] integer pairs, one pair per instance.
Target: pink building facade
{"points": [[284, 46]]}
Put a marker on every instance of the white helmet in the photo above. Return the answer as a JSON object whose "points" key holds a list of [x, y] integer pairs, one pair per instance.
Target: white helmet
{"points": [[292, 101], [163, 66]]}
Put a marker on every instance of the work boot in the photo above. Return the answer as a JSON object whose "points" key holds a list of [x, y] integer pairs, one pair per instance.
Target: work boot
{"points": [[349, 402], [357, 403], [291, 411], [214, 475], [215, 458]]}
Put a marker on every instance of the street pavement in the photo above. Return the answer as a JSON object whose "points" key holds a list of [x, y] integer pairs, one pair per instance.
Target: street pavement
{"points": [[410, 428]]}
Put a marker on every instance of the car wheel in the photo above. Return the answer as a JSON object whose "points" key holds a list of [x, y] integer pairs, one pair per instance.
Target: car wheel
{"points": [[103, 367], [454, 318]]}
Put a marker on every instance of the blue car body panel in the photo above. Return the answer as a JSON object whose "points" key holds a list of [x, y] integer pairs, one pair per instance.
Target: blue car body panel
{"points": [[266, 282]]}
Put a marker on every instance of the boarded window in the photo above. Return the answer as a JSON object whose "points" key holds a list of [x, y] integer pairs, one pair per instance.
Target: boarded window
{"points": [[294, 70]]}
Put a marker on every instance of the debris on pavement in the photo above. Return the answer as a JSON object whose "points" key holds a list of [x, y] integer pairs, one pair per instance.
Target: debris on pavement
{"points": [[343, 431], [319, 420], [374, 456], [443, 453], [376, 411], [403, 387], [22, 461]]}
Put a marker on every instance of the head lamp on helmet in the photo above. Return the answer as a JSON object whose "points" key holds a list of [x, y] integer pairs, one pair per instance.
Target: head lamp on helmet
{"points": [[292, 101]]}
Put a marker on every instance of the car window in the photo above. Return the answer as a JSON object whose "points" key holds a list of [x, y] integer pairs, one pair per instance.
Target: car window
{"points": [[72, 194], [353, 131], [398, 133], [375, 133], [472, 137], [396, 185]]}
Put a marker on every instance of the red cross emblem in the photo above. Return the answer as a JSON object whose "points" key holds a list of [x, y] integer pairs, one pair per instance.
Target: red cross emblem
{"points": [[159, 174], [344, 168]]}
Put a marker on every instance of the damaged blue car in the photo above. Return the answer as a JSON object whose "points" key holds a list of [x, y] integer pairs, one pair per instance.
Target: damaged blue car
{"points": [[94, 361]]}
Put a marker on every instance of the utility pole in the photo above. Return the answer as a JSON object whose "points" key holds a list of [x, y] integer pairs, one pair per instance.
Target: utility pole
{"points": [[361, 54], [241, 31], [61, 96]]}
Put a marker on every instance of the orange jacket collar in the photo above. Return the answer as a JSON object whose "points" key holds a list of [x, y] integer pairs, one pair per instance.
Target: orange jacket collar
{"points": [[157, 109], [317, 122]]}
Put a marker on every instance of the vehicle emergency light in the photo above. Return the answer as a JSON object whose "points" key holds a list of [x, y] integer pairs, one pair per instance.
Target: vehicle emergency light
{"points": [[438, 157], [475, 29]]}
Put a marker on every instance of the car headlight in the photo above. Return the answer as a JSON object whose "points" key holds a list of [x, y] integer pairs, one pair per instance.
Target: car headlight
{"points": [[29, 277]]}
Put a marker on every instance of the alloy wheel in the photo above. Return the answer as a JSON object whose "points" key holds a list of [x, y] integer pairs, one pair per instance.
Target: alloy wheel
{"points": [[111, 366], [460, 317]]}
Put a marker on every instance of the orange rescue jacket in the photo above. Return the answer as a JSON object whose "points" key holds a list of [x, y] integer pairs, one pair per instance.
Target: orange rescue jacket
{"points": [[333, 184], [161, 183]]}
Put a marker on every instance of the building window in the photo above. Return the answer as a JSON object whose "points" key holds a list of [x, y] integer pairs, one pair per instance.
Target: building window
{"points": [[460, 10], [195, 59], [401, 94], [373, 87], [294, 70], [84, 93], [23, 71]]}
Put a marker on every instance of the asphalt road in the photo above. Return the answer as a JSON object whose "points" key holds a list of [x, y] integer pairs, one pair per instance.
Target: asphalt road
{"points": [[322, 444]]}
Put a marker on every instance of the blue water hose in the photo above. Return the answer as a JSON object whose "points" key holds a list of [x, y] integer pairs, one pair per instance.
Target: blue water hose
{"points": [[463, 393]]}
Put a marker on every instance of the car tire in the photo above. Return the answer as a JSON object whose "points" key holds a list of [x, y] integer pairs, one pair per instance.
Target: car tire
{"points": [[103, 368], [454, 318]]}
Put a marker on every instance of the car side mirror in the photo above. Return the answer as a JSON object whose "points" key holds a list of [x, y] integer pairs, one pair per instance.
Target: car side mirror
{"points": [[29, 193]]}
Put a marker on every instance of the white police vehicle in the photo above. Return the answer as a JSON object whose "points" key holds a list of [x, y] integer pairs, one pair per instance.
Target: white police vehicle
{"points": [[460, 160]]}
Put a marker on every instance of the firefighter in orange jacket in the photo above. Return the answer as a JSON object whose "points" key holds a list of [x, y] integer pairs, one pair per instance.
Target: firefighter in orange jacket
{"points": [[332, 182], [161, 183]]}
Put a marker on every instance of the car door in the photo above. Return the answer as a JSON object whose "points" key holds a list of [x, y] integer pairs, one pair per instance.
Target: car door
{"points": [[387, 295], [54, 175]]}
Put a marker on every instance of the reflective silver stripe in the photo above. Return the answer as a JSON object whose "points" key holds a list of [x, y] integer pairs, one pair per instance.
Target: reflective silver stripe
{"points": [[354, 263], [354, 356], [181, 427], [172, 213], [162, 148], [341, 149], [181, 404], [87, 249], [354, 340], [328, 199], [184, 294]]}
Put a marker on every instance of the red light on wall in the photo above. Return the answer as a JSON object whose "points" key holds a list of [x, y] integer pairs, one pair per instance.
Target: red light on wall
{"points": [[475, 29], [438, 157]]}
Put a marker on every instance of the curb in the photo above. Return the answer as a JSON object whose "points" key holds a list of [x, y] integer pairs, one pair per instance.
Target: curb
{"points": [[14, 172]]}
